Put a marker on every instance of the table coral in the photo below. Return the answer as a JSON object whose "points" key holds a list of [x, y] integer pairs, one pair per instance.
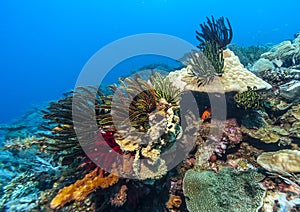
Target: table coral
{"points": [[265, 134], [283, 161]]}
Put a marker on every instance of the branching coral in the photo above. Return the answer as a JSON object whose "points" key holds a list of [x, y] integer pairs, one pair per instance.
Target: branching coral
{"points": [[82, 188]]}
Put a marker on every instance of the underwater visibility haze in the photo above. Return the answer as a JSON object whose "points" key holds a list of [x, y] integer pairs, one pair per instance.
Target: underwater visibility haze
{"points": [[156, 105]]}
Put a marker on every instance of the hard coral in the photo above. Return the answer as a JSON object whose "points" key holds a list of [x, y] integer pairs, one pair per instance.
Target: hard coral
{"points": [[283, 162], [228, 190], [82, 188]]}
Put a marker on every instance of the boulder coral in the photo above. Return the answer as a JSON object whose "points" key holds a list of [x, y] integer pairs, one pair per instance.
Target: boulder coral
{"points": [[235, 78]]}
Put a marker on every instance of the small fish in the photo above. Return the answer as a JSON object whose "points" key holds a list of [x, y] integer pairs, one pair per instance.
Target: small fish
{"points": [[206, 114]]}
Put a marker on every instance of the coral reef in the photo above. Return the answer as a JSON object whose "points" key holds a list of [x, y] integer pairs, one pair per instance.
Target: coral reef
{"points": [[60, 132], [174, 203], [137, 145], [152, 118], [215, 55], [248, 54], [287, 52], [209, 61], [21, 192], [138, 97], [226, 191], [276, 76], [282, 129], [231, 135], [27, 125], [120, 198], [164, 89], [265, 134], [291, 91], [280, 67]]}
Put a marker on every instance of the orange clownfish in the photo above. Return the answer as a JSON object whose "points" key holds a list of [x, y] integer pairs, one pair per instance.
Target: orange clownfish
{"points": [[206, 114]]}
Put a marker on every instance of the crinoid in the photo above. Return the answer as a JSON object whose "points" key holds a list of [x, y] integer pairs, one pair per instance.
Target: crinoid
{"points": [[215, 56], [214, 37], [215, 32], [201, 69], [164, 89], [131, 103], [62, 137]]}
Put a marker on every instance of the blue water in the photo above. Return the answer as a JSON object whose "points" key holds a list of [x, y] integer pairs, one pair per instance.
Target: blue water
{"points": [[45, 44]]}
